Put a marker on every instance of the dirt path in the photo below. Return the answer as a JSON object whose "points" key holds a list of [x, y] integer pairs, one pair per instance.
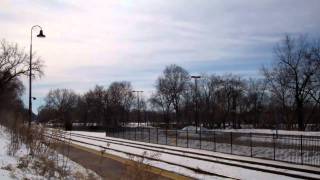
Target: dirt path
{"points": [[113, 167]]}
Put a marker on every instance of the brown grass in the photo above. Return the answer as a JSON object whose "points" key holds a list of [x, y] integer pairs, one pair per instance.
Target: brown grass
{"points": [[42, 155], [140, 170]]}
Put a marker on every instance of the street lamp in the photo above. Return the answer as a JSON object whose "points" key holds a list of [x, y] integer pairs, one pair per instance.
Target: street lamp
{"points": [[138, 100], [196, 101], [40, 35]]}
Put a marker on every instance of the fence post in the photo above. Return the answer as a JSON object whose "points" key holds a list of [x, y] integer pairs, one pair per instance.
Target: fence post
{"points": [[123, 129], [301, 150], [274, 147], [214, 141], [187, 138], [231, 141], [149, 135], [250, 144], [142, 134], [200, 136], [157, 137], [135, 133], [166, 136], [176, 137]]}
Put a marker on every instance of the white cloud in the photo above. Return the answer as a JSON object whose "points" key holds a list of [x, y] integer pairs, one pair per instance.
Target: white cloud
{"points": [[91, 42]]}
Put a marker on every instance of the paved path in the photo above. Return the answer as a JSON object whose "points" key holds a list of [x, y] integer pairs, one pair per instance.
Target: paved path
{"points": [[113, 167]]}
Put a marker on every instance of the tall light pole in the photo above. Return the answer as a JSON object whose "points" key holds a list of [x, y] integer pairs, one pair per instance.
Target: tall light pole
{"points": [[40, 35], [196, 101], [138, 101]]}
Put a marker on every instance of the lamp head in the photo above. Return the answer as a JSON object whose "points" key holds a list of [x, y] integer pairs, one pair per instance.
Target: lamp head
{"points": [[196, 77], [41, 35]]}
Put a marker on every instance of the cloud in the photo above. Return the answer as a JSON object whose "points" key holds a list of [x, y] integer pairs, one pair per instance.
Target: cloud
{"points": [[97, 42]]}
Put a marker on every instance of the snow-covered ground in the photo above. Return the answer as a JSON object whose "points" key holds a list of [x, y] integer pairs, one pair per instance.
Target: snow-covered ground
{"points": [[271, 131], [258, 131], [138, 125], [283, 147], [217, 168], [11, 166]]}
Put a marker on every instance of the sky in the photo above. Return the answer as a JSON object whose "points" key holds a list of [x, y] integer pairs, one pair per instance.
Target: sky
{"points": [[98, 42]]}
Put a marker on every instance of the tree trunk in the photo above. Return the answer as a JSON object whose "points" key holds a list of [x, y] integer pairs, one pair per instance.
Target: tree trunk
{"points": [[300, 115]]}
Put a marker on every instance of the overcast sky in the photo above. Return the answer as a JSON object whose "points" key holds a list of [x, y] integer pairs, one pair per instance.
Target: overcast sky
{"points": [[97, 42]]}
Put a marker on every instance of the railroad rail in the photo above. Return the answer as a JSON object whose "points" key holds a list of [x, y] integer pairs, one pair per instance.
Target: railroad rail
{"points": [[294, 171], [196, 170]]}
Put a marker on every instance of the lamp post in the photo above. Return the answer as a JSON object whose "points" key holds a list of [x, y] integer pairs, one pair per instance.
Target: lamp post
{"points": [[138, 101], [196, 101], [40, 35]]}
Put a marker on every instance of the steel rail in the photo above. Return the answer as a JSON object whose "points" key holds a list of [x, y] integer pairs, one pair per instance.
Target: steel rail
{"points": [[196, 170], [201, 154], [262, 169]]}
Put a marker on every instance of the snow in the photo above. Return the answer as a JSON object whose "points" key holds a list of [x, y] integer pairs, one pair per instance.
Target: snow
{"points": [[231, 171], [282, 148], [9, 164], [193, 128], [138, 125], [259, 131]]}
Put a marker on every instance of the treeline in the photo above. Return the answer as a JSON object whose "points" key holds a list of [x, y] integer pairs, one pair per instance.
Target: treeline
{"points": [[99, 106], [287, 96]]}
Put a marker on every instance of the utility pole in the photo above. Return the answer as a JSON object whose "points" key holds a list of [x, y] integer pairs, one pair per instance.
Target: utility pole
{"points": [[196, 102]]}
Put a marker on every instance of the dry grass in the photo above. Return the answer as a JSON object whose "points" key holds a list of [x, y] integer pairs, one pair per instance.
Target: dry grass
{"points": [[8, 167], [42, 156], [80, 176], [140, 170]]}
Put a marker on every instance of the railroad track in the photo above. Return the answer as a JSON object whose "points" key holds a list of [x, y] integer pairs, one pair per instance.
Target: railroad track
{"points": [[279, 169], [195, 170]]}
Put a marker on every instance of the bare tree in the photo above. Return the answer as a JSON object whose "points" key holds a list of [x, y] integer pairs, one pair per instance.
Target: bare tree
{"points": [[94, 105], [208, 88], [62, 102], [229, 95], [171, 86], [45, 114], [159, 101], [14, 62], [120, 101], [293, 75], [313, 55], [255, 99]]}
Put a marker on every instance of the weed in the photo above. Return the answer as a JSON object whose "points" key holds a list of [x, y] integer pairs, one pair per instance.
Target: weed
{"points": [[140, 170], [8, 167]]}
